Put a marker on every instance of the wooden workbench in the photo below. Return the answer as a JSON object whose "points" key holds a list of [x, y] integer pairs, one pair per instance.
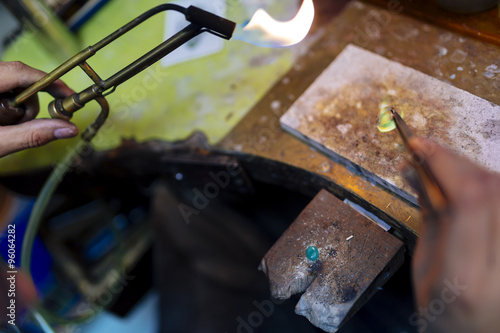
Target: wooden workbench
{"points": [[466, 63]]}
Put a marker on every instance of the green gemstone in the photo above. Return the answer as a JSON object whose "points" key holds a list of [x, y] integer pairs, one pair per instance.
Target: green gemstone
{"points": [[312, 253]]}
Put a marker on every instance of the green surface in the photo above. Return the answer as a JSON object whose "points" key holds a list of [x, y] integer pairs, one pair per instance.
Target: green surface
{"points": [[210, 94]]}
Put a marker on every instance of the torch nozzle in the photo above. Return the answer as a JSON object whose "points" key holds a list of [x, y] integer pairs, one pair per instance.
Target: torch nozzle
{"points": [[223, 27]]}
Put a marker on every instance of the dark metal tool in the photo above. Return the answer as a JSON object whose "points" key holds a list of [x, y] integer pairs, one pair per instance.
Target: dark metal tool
{"points": [[11, 109], [432, 195]]}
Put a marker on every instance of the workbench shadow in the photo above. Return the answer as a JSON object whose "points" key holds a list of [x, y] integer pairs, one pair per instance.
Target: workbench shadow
{"points": [[206, 260]]}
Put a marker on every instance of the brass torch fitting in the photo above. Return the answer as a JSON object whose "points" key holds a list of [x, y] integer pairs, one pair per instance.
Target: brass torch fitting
{"points": [[64, 108]]}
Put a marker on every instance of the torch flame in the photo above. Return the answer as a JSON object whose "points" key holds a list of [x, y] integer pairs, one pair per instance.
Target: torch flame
{"points": [[263, 30]]}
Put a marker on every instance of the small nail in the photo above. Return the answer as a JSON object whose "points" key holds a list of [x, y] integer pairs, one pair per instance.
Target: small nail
{"points": [[410, 175], [64, 133]]}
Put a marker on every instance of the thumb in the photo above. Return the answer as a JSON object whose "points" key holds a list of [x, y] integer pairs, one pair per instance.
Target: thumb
{"points": [[34, 133]]}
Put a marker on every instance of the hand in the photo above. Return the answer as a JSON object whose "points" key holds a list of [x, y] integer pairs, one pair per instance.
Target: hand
{"points": [[31, 132], [456, 264]]}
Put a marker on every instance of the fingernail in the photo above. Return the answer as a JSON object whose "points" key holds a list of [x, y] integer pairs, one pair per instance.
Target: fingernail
{"points": [[410, 175], [64, 133]]}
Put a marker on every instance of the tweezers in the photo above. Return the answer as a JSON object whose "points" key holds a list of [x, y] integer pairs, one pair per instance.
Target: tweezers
{"points": [[431, 193]]}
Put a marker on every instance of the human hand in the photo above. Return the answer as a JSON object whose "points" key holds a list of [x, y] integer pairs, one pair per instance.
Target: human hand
{"points": [[456, 264], [30, 132]]}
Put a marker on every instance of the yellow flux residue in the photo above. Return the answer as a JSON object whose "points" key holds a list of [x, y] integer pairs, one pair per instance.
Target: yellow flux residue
{"points": [[385, 120]]}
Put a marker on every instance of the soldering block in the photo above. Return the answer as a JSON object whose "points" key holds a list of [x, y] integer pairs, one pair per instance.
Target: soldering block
{"points": [[355, 258], [338, 115]]}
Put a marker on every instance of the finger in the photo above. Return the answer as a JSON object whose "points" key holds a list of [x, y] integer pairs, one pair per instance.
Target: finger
{"points": [[31, 108], [453, 173], [59, 89], [411, 177], [34, 133], [427, 265], [494, 200], [16, 74]]}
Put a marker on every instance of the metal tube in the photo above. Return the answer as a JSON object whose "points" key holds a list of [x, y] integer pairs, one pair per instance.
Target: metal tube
{"points": [[82, 56], [64, 108], [135, 22], [90, 72], [53, 76], [153, 56]]}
